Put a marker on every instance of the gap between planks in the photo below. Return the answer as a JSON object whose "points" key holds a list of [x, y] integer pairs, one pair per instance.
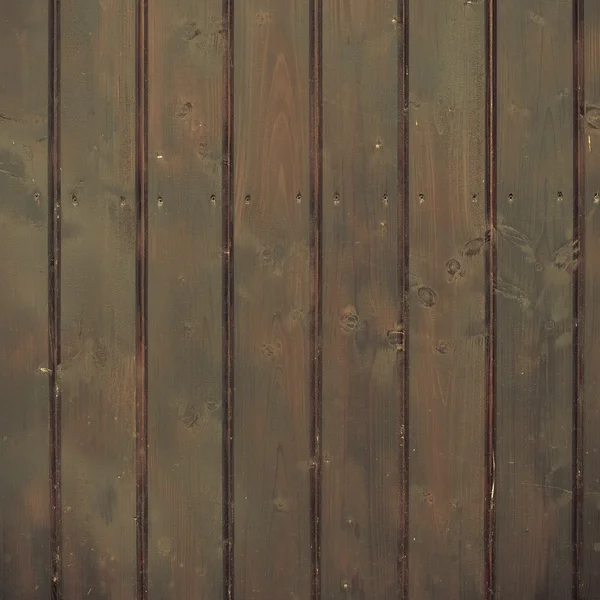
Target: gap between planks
{"points": [[141, 196], [54, 300]]}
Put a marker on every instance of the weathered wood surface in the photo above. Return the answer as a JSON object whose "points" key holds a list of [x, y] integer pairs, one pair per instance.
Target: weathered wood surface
{"points": [[97, 374], [448, 236], [399, 485], [271, 300], [362, 350], [589, 223], [184, 314], [534, 301], [25, 525]]}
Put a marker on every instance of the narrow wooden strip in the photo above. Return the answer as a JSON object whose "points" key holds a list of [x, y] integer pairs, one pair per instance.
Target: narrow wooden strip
{"points": [[537, 254], [54, 310], [28, 339], [363, 268], [403, 290], [186, 204], [272, 418], [491, 130], [228, 303], [141, 290], [448, 332], [316, 262], [100, 336], [588, 425], [578, 288]]}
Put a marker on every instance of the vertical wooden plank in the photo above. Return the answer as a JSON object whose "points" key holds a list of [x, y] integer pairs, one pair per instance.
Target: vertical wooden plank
{"points": [[447, 358], [184, 337], [141, 298], [590, 324], [362, 336], [271, 314], [98, 298], [24, 444], [536, 255], [315, 94]]}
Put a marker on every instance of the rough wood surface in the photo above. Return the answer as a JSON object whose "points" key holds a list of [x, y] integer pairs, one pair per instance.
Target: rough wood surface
{"points": [[362, 334], [447, 336], [24, 378], [404, 235], [590, 202], [271, 326], [98, 299], [536, 256], [184, 273]]}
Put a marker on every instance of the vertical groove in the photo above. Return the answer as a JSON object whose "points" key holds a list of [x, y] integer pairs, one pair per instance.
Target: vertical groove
{"points": [[578, 286], [228, 307], [141, 191], [490, 429], [316, 261], [403, 288], [54, 238]]}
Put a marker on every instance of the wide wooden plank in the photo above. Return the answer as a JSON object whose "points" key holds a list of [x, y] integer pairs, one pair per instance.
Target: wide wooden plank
{"points": [[98, 299], [184, 278], [590, 323], [363, 349], [447, 335], [271, 422], [24, 377], [536, 256]]}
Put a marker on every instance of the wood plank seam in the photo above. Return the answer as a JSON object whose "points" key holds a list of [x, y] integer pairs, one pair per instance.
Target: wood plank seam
{"points": [[54, 238], [578, 286], [228, 305], [403, 283], [141, 191], [316, 261], [490, 429]]}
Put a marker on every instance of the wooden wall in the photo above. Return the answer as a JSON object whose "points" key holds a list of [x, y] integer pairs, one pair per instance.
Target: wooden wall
{"points": [[299, 299]]}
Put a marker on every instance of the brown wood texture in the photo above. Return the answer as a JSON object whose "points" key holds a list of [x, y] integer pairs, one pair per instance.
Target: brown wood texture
{"points": [[590, 323], [271, 300], [447, 336], [363, 349], [367, 273], [185, 288], [25, 530], [536, 255], [97, 376]]}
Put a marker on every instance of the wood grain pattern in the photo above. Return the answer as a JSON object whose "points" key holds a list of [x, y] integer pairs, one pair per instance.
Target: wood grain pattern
{"points": [[536, 256], [271, 323], [98, 299], [331, 276], [362, 336], [24, 380], [590, 203], [184, 272], [447, 349]]}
